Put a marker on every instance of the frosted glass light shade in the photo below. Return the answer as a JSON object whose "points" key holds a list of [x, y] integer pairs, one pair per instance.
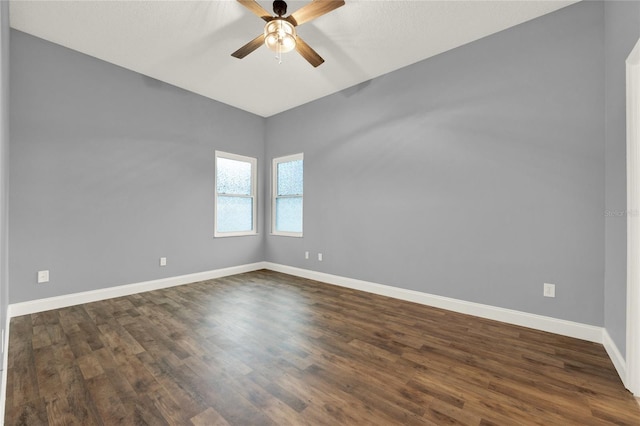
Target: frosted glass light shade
{"points": [[280, 35]]}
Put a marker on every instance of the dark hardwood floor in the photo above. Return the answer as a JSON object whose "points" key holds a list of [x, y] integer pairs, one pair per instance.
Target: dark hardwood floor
{"points": [[266, 348]]}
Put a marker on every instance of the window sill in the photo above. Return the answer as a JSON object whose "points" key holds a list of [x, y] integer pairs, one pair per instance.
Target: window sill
{"points": [[287, 234], [235, 234]]}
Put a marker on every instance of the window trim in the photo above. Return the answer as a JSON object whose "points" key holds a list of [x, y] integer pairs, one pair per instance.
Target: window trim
{"points": [[254, 180], [274, 194]]}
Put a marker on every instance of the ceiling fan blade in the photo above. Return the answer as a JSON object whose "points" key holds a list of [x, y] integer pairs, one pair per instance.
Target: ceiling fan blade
{"points": [[313, 10], [308, 53], [249, 47], [258, 10]]}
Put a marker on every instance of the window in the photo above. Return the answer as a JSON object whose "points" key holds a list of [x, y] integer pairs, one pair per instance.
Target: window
{"points": [[235, 200], [286, 202]]}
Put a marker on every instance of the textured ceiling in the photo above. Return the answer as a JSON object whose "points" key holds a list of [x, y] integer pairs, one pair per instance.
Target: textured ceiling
{"points": [[189, 43]]}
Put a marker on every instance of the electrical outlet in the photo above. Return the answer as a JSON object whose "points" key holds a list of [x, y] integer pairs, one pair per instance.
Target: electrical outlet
{"points": [[306, 255], [320, 257], [43, 277], [163, 261], [549, 290]]}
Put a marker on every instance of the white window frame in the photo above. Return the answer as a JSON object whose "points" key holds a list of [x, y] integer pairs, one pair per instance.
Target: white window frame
{"points": [[254, 173], [274, 194]]}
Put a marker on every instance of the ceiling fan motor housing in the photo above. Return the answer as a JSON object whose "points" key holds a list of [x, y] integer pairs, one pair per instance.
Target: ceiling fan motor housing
{"points": [[280, 7]]}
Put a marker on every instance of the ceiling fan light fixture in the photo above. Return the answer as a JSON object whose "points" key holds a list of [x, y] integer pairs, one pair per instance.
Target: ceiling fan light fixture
{"points": [[280, 35]]}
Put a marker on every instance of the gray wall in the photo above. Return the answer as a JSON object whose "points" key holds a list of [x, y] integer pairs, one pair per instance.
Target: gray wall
{"points": [[477, 174], [111, 170], [622, 30], [4, 165]]}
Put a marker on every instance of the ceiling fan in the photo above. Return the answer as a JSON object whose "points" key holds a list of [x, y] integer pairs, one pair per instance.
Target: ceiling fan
{"points": [[279, 31]]}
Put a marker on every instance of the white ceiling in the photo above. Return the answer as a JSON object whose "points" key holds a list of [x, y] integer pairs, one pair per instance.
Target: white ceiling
{"points": [[189, 43]]}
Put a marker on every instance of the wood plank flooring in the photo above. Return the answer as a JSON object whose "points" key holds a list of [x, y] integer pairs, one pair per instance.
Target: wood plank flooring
{"points": [[265, 348]]}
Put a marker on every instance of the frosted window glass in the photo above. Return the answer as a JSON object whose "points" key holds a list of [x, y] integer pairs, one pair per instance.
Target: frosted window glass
{"points": [[289, 214], [290, 178], [235, 214], [233, 177]]}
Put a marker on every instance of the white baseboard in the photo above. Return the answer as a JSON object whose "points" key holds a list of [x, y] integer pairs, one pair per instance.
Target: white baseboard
{"points": [[538, 322], [616, 357], [553, 325], [40, 305]]}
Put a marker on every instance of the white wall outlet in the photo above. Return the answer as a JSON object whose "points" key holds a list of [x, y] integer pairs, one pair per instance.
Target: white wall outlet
{"points": [[306, 255], [549, 290], [43, 277], [320, 257], [163, 261]]}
